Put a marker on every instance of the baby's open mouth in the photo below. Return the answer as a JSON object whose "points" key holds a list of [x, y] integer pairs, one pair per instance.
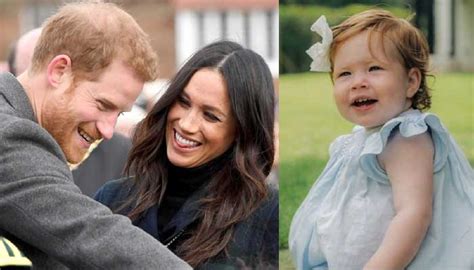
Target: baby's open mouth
{"points": [[363, 102]]}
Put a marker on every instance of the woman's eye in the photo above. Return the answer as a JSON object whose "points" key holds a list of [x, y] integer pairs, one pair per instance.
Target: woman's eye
{"points": [[374, 68], [183, 102], [211, 117]]}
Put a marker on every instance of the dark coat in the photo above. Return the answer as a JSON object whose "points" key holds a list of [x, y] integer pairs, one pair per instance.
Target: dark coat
{"points": [[255, 240]]}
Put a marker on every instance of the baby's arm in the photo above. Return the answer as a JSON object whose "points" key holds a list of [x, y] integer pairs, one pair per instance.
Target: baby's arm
{"points": [[409, 166]]}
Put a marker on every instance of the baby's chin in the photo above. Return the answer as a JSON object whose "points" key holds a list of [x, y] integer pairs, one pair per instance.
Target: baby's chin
{"points": [[369, 124], [370, 127]]}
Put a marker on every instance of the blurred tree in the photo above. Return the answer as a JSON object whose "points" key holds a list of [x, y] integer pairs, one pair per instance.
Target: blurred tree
{"points": [[294, 42], [424, 19]]}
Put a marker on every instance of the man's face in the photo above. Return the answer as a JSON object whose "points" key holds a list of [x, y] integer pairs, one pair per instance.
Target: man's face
{"points": [[87, 111]]}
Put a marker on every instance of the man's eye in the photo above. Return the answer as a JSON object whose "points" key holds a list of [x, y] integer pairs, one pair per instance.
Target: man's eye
{"points": [[100, 106]]}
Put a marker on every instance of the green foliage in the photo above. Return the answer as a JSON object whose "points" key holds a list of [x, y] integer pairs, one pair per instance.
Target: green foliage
{"points": [[296, 36], [309, 122]]}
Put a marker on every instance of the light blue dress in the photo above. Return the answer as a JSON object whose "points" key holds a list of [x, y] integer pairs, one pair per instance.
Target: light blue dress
{"points": [[343, 219]]}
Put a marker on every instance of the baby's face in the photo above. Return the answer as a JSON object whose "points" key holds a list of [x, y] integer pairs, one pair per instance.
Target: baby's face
{"points": [[370, 86]]}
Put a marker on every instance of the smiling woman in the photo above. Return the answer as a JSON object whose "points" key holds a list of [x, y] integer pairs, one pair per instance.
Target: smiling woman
{"points": [[200, 160], [201, 124]]}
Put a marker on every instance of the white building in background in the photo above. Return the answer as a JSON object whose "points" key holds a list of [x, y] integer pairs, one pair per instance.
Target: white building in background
{"points": [[454, 35], [254, 24]]}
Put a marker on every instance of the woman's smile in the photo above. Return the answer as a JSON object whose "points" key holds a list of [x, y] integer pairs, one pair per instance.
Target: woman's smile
{"points": [[183, 142]]}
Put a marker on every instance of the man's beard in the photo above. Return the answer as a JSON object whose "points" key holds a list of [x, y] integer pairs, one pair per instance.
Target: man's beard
{"points": [[60, 121]]}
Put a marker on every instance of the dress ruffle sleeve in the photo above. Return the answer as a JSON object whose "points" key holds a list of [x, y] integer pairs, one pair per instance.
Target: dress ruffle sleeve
{"points": [[409, 124]]}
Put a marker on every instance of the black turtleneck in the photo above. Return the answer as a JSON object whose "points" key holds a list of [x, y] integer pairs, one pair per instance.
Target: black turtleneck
{"points": [[182, 184]]}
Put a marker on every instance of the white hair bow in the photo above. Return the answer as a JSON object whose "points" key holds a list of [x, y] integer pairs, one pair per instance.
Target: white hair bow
{"points": [[319, 52]]}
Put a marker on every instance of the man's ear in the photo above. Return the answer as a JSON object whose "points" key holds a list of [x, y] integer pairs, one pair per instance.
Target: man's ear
{"points": [[59, 70], [414, 81]]}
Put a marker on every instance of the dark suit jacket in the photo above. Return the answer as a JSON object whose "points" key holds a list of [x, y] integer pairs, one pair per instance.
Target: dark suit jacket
{"points": [[255, 240], [106, 162]]}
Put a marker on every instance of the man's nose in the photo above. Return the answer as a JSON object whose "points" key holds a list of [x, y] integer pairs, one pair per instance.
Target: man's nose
{"points": [[106, 125]]}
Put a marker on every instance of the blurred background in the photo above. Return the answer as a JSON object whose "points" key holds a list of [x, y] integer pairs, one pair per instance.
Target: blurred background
{"points": [[309, 120], [177, 27]]}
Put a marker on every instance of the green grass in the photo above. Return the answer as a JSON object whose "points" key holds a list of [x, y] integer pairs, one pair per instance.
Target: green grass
{"points": [[285, 260], [309, 122]]}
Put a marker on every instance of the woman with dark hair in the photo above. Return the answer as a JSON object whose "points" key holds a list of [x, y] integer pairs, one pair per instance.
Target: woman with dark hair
{"points": [[198, 166]]}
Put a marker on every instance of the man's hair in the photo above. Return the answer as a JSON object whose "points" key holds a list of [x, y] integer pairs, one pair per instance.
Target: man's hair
{"points": [[93, 34], [411, 46]]}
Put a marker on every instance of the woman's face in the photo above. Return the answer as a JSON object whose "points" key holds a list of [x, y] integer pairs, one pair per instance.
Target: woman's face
{"points": [[200, 124]]}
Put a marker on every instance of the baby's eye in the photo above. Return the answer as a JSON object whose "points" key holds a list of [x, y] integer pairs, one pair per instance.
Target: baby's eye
{"points": [[343, 74], [374, 68]]}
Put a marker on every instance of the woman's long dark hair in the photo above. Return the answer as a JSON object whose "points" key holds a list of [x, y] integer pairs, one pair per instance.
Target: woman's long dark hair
{"points": [[238, 189]]}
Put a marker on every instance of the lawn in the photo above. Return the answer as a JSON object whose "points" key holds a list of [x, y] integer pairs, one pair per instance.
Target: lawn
{"points": [[309, 121]]}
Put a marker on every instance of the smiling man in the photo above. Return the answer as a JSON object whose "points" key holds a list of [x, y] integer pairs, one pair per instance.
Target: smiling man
{"points": [[90, 64]]}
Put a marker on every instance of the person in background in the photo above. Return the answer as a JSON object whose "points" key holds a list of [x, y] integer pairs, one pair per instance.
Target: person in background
{"points": [[89, 65], [200, 160], [21, 52]]}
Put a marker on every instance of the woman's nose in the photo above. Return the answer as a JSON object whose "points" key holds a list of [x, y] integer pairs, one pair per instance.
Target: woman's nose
{"points": [[189, 122]]}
